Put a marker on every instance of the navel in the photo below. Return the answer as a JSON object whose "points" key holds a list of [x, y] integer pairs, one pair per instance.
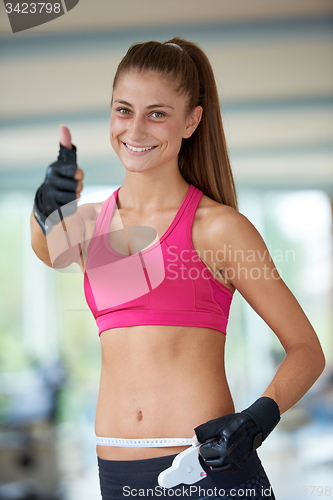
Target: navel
{"points": [[139, 415]]}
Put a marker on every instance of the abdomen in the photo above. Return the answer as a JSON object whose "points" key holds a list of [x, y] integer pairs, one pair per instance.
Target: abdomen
{"points": [[159, 381]]}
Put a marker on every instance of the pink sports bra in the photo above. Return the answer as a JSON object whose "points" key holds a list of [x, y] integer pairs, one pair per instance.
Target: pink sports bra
{"points": [[166, 283]]}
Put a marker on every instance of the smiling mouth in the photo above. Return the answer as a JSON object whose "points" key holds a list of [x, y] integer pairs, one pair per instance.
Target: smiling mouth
{"points": [[132, 148]]}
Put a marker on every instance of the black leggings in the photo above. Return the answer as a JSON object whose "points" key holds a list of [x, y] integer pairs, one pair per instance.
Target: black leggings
{"points": [[121, 479]]}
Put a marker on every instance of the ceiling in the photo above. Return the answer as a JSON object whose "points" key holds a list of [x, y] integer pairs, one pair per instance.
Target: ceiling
{"points": [[273, 63], [95, 15]]}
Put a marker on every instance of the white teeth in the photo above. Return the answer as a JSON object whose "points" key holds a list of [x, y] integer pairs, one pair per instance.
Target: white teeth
{"points": [[139, 149]]}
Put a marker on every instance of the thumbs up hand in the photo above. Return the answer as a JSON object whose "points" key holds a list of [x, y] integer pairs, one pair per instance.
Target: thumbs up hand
{"points": [[62, 184]]}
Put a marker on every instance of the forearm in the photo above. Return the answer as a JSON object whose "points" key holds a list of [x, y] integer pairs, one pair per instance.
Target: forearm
{"points": [[55, 249], [38, 241], [297, 373]]}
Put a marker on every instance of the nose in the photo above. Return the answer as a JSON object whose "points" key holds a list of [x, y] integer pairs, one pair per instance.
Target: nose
{"points": [[136, 131]]}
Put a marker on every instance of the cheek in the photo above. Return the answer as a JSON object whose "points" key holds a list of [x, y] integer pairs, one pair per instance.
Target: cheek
{"points": [[177, 138], [113, 125], [113, 139], [114, 129], [173, 133]]}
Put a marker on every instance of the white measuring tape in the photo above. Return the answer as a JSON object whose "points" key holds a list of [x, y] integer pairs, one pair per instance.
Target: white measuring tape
{"points": [[185, 467], [148, 442]]}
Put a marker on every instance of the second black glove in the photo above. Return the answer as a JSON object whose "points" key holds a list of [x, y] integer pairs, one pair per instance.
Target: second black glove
{"points": [[57, 190], [230, 440]]}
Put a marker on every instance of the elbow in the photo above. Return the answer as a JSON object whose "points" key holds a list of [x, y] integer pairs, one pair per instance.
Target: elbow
{"points": [[313, 357], [320, 357], [318, 361], [40, 256], [321, 362]]}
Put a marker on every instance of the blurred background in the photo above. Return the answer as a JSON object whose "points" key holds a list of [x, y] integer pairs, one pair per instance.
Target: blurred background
{"points": [[273, 63]]}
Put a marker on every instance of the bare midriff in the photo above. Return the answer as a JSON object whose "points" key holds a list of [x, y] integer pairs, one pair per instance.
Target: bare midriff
{"points": [[159, 381]]}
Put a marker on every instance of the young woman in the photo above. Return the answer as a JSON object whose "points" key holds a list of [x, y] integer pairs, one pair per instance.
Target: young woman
{"points": [[159, 282]]}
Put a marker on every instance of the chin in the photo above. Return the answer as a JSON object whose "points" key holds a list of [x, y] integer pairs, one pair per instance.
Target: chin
{"points": [[136, 168]]}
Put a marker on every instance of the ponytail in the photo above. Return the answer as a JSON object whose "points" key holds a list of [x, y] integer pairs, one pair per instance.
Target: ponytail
{"points": [[203, 158]]}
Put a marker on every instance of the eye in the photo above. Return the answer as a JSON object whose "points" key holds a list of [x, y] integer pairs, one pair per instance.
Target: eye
{"points": [[157, 114], [123, 111]]}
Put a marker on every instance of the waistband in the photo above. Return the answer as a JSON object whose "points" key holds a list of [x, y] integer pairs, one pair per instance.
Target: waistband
{"points": [[136, 470], [144, 443]]}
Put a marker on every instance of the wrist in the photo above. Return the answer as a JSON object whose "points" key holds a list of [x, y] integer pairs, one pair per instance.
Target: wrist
{"points": [[46, 222], [38, 212], [266, 414]]}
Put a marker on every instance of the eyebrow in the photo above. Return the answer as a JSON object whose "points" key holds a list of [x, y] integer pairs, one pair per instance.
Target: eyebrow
{"points": [[151, 106]]}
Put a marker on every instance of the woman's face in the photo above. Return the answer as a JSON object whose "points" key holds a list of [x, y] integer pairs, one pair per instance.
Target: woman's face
{"points": [[149, 121]]}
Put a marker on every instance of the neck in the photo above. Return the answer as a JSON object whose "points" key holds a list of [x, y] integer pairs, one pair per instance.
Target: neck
{"points": [[145, 193]]}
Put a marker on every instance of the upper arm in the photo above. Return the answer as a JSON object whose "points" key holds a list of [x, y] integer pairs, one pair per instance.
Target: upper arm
{"points": [[63, 242], [67, 240], [249, 267]]}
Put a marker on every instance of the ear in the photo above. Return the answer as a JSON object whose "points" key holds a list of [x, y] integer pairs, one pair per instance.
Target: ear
{"points": [[192, 121]]}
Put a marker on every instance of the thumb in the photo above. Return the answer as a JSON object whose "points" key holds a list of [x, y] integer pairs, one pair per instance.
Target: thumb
{"points": [[65, 137]]}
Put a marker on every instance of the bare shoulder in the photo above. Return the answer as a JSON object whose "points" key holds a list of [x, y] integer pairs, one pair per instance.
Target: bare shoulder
{"points": [[90, 211], [217, 219], [212, 226], [224, 229]]}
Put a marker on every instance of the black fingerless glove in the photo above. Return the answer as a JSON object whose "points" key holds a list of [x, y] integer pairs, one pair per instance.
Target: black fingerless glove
{"points": [[230, 440], [57, 190]]}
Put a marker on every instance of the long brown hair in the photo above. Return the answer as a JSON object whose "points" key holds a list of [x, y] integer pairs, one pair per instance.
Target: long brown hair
{"points": [[203, 158]]}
